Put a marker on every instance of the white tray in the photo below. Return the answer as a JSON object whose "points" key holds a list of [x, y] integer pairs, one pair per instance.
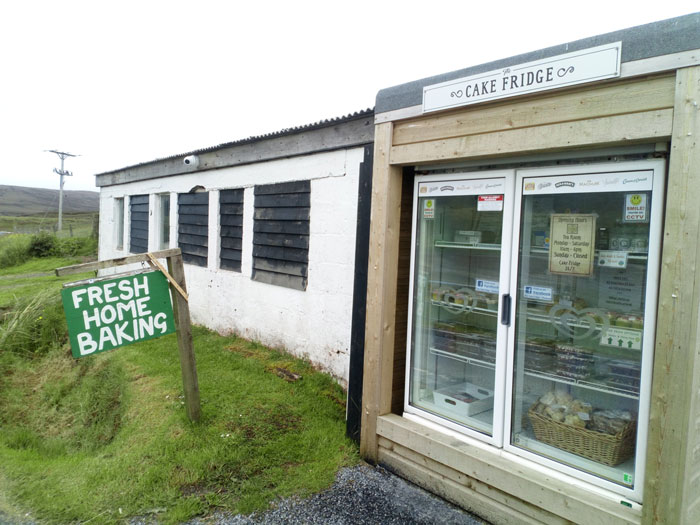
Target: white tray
{"points": [[450, 398]]}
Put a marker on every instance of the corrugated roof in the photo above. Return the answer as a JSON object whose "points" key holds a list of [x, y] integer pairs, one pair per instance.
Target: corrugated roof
{"points": [[287, 131]]}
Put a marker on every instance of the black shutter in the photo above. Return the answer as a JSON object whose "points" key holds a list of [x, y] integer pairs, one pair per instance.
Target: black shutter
{"points": [[231, 211], [193, 227], [138, 230], [281, 234]]}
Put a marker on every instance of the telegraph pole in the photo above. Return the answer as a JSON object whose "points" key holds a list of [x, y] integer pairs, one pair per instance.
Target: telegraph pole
{"points": [[63, 173]]}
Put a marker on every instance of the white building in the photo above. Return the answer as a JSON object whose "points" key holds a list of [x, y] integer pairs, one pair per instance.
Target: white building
{"points": [[267, 227]]}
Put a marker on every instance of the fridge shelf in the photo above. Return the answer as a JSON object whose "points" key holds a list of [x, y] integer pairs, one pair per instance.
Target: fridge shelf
{"points": [[460, 308], [545, 318], [633, 256], [468, 246], [590, 385], [462, 358]]}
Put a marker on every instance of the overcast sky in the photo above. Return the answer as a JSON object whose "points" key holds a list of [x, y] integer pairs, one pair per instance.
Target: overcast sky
{"points": [[125, 82]]}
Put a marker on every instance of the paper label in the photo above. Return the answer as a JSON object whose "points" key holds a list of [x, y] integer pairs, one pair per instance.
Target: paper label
{"points": [[539, 293], [428, 209], [572, 244], [486, 286], [613, 259], [621, 290], [636, 209], [622, 338], [490, 203]]}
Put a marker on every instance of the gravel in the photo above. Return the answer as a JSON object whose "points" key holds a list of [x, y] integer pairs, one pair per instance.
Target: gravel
{"points": [[360, 495]]}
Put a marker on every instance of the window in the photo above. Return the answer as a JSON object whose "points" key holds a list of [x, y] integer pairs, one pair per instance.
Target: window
{"points": [[119, 221], [193, 227], [281, 234], [164, 221], [138, 207], [231, 211]]}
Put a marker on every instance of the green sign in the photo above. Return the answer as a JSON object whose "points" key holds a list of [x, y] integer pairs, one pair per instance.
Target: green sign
{"points": [[117, 312]]}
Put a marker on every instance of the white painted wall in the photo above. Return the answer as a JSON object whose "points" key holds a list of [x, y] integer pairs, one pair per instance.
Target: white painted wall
{"points": [[314, 323]]}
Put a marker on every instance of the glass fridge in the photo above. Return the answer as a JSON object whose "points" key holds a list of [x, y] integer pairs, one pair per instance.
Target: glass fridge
{"points": [[531, 324], [460, 269], [586, 255]]}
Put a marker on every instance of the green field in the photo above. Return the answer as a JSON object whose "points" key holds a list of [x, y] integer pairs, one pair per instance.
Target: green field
{"points": [[74, 225], [105, 437]]}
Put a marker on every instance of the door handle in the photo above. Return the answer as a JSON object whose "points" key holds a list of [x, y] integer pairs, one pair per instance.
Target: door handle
{"points": [[505, 309]]}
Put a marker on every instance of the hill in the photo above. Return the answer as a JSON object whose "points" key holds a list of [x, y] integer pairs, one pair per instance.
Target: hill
{"points": [[20, 200]]}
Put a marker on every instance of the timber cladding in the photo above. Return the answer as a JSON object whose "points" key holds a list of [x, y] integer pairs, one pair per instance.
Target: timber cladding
{"points": [[138, 229], [281, 234], [193, 227], [231, 221]]}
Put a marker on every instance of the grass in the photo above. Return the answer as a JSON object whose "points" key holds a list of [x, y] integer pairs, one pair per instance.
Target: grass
{"points": [[106, 437]]}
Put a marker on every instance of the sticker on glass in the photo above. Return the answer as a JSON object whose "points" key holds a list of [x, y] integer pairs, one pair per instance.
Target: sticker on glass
{"points": [[636, 208], [486, 286], [428, 209], [538, 293], [490, 203], [612, 259]]}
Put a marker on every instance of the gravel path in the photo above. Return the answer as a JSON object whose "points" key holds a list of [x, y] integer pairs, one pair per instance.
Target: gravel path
{"points": [[361, 495]]}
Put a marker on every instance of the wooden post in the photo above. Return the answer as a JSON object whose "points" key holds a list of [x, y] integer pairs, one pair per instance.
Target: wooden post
{"points": [[671, 490], [181, 310]]}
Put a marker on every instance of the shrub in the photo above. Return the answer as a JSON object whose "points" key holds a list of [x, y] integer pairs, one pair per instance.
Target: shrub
{"points": [[43, 244], [14, 250]]}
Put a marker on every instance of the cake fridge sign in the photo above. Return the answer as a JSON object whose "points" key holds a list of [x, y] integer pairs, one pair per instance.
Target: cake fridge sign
{"points": [[587, 65]]}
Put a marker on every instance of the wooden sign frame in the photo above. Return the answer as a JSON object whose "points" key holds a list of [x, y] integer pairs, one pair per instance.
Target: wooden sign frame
{"points": [[175, 274]]}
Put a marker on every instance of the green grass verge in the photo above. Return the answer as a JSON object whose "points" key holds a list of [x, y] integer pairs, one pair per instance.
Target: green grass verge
{"points": [[106, 437]]}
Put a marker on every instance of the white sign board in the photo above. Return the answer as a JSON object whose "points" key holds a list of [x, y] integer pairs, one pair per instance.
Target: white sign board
{"points": [[636, 209], [587, 65]]}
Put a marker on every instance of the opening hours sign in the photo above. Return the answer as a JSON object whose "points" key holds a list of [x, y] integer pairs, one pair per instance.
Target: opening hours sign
{"points": [[116, 312]]}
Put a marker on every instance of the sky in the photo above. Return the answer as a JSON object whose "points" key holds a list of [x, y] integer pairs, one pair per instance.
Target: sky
{"points": [[120, 83]]}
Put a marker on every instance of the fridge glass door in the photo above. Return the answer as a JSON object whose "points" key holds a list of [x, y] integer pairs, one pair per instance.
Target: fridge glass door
{"points": [[457, 342], [579, 367]]}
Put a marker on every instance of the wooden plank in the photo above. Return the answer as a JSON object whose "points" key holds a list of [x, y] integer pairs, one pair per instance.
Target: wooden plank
{"points": [[608, 100], [282, 254], [299, 186], [381, 291], [675, 390], [291, 227], [489, 498], [464, 497], [193, 198], [139, 199], [489, 466], [109, 263], [231, 232], [606, 131], [193, 249], [289, 268], [193, 229], [283, 200], [234, 266], [231, 209], [193, 209], [282, 214], [231, 196], [233, 243], [185, 345], [278, 279], [230, 255], [231, 220], [199, 220], [281, 239], [194, 259], [195, 240]]}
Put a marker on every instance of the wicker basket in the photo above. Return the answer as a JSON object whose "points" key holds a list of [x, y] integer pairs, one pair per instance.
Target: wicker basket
{"points": [[604, 448]]}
